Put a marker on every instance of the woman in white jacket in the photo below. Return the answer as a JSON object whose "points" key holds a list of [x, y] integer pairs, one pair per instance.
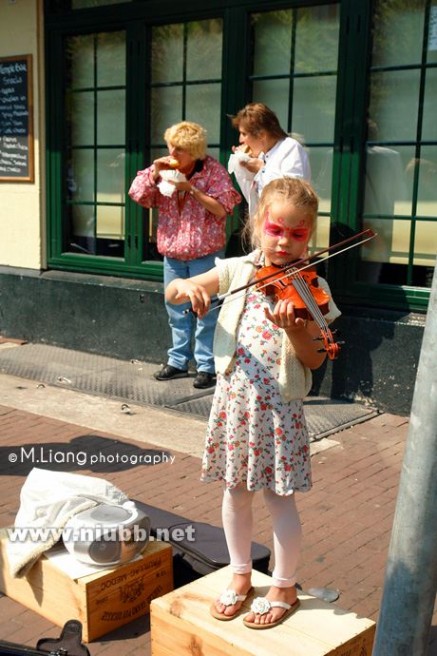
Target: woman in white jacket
{"points": [[265, 152]]}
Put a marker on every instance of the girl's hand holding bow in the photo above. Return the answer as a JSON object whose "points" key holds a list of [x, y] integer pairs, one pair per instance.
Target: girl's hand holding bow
{"points": [[181, 291]]}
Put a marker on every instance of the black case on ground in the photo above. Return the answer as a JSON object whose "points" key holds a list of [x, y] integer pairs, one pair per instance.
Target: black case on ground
{"points": [[208, 551], [69, 643]]}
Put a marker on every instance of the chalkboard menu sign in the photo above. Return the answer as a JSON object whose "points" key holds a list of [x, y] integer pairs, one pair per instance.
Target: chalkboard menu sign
{"points": [[16, 119]]}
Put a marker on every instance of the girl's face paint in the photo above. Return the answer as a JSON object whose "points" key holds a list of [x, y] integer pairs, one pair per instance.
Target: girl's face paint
{"points": [[285, 233], [278, 230]]}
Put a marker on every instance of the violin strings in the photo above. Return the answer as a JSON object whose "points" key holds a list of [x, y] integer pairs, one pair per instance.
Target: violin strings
{"points": [[304, 292]]}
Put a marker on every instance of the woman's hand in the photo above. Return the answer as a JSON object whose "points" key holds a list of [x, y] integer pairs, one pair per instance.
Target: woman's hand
{"points": [[182, 185], [180, 291], [165, 163], [253, 164]]}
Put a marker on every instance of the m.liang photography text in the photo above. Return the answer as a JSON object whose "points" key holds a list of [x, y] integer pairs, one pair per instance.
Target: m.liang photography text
{"points": [[40, 455]]}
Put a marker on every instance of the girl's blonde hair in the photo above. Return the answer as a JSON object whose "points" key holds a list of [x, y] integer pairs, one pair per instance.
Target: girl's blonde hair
{"points": [[296, 191], [189, 136]]}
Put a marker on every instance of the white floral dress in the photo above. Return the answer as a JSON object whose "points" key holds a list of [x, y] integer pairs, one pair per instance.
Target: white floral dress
{"points": [[253, 436]]}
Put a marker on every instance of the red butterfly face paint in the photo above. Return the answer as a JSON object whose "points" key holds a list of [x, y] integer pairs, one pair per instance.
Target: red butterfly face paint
{"points": [[276, 230], [285, 233]]}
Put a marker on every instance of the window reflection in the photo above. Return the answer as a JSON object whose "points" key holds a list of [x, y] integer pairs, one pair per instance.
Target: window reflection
{"points": [[400, 195]]}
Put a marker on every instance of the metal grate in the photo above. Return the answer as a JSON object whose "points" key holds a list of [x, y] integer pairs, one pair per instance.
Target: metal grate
{"points": [[133, 381]]}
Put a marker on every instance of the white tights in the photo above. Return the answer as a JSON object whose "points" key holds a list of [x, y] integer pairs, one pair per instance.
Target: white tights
{"points": [[287, 532]]}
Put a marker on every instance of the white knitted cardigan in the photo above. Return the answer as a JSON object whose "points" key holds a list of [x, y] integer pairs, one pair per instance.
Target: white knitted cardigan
{"points": [[294, 378]]}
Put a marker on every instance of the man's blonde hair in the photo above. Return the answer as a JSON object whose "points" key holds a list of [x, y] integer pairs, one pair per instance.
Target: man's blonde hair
{"points": [[189, 136], [296, 191]]}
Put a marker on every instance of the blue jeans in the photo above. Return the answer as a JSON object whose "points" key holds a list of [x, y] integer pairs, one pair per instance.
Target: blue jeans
{"points": [[186, 326]]}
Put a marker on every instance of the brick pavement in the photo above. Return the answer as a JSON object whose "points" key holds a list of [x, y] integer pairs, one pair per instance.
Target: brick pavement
{"points": [[346, 518]]}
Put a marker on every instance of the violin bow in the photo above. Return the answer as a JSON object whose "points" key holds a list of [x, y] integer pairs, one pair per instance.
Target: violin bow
{"points": [[366, 235]]}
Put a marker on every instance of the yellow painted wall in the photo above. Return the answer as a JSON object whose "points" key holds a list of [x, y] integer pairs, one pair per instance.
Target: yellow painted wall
{"points": [[21, 203]]}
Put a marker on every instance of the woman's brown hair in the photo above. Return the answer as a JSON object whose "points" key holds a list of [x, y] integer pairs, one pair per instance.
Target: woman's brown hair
{"points": [[257, 117]]}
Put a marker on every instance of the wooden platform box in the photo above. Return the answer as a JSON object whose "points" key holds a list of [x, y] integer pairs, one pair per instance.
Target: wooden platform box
{"points": [[181, 624], [102, 601]]}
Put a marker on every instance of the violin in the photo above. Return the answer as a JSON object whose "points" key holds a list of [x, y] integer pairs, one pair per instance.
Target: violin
{"points": [[310, 301], [299, 282], [281, 287]]}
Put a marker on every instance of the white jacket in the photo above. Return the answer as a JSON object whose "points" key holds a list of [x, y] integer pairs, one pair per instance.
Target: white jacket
{"points": [[287, 158], [294, 378]]}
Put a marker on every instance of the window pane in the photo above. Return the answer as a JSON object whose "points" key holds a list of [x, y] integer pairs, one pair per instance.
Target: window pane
{"points": [[321, 169], [431, 51], [386, 184], [396, 23], [82, 118], [425, 247], [203, 106], [83, 222], [427, 191], [204, 37], [81, 180], [111, 59], [275, 94], [110, 176], [394, 106], [429, 128], [110, 224], [167, 53], [80, 51], [314, 107], [317, 39], [272, 28], [166, 107], [110, 112]]}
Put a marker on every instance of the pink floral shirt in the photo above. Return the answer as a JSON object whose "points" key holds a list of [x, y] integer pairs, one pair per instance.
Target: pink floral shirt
{"points": [[186, 230]]}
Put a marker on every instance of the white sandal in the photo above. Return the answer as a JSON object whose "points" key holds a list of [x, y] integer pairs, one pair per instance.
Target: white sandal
{"points": [[229, 598], [261, 606]]}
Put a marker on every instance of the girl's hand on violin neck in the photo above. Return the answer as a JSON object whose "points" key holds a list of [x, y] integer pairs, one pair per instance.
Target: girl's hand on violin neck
{"points": [[283, 316], [302, 333], [180, 291]]}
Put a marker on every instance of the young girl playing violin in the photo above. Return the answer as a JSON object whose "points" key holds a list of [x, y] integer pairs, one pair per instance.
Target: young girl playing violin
{"points": [[257, 437]]}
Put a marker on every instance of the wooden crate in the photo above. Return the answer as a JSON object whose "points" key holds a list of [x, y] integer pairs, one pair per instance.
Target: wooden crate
{"points": [[102, 601], [181, 624]]}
